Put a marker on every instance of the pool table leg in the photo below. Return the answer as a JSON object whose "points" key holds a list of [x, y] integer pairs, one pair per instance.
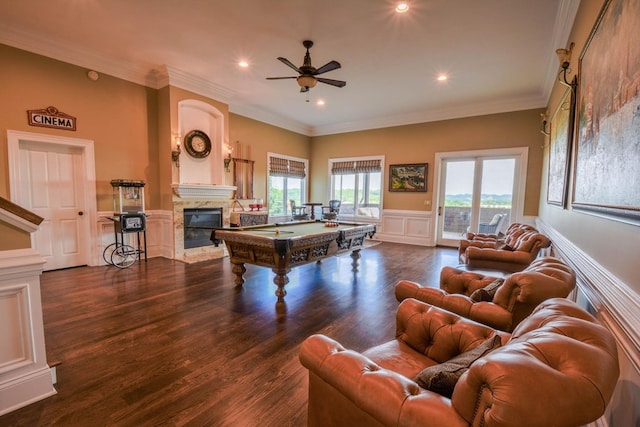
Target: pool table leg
{"points": [[355, 256], [239, 269], [281, 280]]}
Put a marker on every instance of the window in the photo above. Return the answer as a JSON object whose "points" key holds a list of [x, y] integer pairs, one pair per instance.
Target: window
{"points": [[287, 181], [357, 183]]}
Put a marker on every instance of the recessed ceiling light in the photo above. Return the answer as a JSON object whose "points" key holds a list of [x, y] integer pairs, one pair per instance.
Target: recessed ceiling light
{"points": [[243, 64], [402, 7], [320, 102], [442, 77]]}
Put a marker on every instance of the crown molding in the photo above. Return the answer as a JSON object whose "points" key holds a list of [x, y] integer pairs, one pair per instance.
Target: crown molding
{"points": [[116, 67], [270, 118], [480, 109], [567, 11], [168, 75]]}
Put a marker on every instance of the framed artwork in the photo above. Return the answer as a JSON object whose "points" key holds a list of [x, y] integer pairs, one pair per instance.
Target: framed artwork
{"points": [[561, 136], [607, 166], [408, 177]]}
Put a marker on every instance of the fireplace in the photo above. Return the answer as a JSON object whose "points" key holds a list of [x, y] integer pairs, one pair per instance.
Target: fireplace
{"points": [[201, 199], [198, 224]]}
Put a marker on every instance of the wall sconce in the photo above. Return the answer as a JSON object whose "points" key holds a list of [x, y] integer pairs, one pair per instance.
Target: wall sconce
{"points": [[543, 126], [227, 160], [175, 154], [564, 56]]}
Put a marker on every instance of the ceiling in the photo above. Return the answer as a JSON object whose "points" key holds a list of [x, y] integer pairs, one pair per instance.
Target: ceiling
{"points": [[499, 54]]}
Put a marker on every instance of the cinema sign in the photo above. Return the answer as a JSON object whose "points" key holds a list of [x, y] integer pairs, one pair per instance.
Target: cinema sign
{"points": [[50, 117]]}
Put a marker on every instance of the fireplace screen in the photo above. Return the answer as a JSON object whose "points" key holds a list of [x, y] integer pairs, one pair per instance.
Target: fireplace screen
{"points": [[198, 224]]}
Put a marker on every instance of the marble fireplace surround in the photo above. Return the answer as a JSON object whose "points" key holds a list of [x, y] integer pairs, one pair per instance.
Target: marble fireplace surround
{"points": [[194, 196]]}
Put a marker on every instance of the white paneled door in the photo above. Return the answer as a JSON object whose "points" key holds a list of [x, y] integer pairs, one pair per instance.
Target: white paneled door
{"points": [[51, 182]]}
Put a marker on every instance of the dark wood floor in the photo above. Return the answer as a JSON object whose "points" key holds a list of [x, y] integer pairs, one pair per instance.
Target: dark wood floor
{"points": [[165, 343]]}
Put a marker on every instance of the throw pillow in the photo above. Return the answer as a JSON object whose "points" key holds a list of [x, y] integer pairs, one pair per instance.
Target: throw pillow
{"points": [[442, 378], [487, 293]]}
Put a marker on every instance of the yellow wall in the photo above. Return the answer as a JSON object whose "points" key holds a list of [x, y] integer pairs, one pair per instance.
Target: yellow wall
{"points": [[612, 244], [263, 138], [13, 238], [117, 115], [419, 143]]}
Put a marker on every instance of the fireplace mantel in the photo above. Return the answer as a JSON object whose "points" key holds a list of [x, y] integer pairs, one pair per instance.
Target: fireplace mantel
{"points": [[203, 191]]}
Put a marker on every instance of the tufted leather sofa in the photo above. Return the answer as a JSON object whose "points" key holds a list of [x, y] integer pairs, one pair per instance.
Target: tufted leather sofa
{"points": [[558, 368], [520, 250], [514, 299]]}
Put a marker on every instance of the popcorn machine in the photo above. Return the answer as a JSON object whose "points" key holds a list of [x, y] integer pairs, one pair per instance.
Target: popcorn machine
{"points": [[128, 217]]}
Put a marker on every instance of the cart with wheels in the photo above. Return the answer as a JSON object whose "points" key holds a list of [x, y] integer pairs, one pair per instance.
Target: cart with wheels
{"points": [[128, 218]]}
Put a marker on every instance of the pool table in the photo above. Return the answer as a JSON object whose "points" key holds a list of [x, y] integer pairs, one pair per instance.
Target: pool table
{"points": [[286, 245]]}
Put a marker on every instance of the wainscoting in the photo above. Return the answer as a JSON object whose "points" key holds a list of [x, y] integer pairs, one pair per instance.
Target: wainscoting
{"points": [[159, 235], [618, 308], [397, 226], [410, 227]]}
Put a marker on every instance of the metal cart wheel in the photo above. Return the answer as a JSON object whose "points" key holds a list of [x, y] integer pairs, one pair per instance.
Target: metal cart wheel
{"points": [[123, 256], [108, 252]]}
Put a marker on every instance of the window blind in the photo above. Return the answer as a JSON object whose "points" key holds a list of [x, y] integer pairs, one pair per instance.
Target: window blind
{"points": [[287, 168], [356, 166]]}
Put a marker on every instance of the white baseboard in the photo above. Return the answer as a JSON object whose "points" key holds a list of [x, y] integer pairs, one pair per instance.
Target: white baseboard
{"points": [[25, 390]]}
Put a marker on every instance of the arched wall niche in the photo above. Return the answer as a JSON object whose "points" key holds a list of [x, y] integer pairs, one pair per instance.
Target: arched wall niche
{"points": [[197, 115]]}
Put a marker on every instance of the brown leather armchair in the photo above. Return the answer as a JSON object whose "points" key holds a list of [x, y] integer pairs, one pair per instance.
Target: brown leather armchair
{"points": [[515, 254], [491, 240], [558, 368], [514, 299]]}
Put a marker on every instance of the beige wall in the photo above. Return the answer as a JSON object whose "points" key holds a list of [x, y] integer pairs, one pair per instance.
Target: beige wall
{"points": [[262, 138], [614, 245], [13, 238], [117, 115], [419, 143]]}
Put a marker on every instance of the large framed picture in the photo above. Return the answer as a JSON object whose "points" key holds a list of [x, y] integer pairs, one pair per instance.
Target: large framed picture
{"points": [[560, 138], [607, 166], [408, 177]]}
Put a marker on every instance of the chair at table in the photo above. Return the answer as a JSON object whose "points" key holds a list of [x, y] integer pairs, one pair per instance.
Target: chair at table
{"points": [[331, 212], [298, 213]]}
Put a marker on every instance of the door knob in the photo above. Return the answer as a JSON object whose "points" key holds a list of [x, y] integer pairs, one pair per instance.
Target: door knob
{"points": [[80, 213]]}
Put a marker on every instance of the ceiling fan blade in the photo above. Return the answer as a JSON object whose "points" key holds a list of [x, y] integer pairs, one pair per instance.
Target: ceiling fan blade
{"points": [[337, 83], [329, 66], [288, 63], [280, 78]]}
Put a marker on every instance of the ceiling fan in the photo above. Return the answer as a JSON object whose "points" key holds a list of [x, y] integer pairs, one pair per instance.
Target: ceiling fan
{"points": [[307, 78]]}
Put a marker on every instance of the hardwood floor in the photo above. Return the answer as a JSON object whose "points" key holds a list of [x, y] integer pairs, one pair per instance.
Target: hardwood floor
{"points": [[165, 343]]}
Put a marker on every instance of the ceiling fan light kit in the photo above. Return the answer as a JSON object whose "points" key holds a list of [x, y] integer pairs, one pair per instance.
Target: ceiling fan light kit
{"points": [[307, 73], [307, 81]]}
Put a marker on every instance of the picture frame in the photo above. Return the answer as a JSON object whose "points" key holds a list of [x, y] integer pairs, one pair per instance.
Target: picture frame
{"points": [[410, 177], [560, 142], [606, 167]]}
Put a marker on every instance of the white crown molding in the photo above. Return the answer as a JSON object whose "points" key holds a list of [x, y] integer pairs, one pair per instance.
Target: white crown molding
{"points": [[120, 68], [481, 109], [565, 18], [168, 75], [270, 118]]}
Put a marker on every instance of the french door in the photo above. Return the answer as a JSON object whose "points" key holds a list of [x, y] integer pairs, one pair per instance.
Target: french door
{"points": [[478, 191]]}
